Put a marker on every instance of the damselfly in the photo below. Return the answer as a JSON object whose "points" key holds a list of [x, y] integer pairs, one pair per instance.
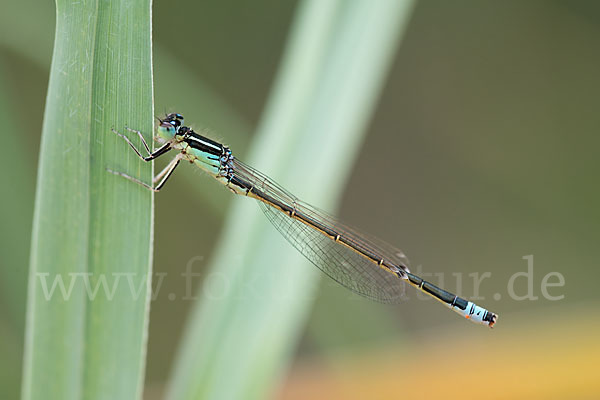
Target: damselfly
{"points": [[359, 262]]}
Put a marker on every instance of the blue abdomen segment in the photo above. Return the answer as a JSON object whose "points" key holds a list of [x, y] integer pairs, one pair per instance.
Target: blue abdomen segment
{"points": [[476, 314]]}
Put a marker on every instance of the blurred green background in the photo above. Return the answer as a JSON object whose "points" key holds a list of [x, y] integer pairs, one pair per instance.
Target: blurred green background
{"points": [[483, 150]]}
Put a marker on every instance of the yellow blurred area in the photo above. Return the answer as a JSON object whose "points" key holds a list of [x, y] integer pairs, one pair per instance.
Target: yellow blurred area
{"points": [[551, 356]]}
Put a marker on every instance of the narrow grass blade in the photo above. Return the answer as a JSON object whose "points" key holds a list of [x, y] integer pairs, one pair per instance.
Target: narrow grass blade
{"points": [[92, 232], [258, 292]]}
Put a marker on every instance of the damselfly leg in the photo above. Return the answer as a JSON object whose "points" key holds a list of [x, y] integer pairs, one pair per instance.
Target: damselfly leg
{"points": [[151, 155], [163, 175]]}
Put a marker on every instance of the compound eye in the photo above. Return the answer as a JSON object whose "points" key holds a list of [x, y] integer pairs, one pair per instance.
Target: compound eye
{"points": [[178, 116]]}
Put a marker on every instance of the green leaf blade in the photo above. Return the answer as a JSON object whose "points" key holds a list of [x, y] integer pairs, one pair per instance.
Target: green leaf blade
{"points": [[92, 230]]}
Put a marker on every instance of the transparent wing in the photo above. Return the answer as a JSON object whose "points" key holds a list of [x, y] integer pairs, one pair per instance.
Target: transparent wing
{"points": [[346, 266], [339, 262]]}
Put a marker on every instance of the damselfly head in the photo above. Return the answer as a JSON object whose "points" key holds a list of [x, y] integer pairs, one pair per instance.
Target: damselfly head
{"points": [[174, 119], [170, 125]]}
